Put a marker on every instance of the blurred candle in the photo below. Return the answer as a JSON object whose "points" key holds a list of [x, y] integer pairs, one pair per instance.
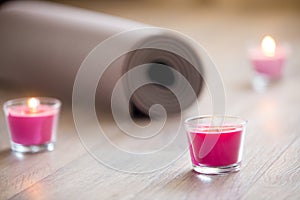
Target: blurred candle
{"points": [[32, 123], [268, 61]]}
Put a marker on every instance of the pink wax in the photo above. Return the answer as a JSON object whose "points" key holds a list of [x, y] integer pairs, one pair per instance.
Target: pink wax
{"points": [[225, 149], [31, 128], [268, 66]]}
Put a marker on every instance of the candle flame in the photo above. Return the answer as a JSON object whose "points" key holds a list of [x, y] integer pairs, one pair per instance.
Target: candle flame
{"points": [[268, 46], [33, 103]]}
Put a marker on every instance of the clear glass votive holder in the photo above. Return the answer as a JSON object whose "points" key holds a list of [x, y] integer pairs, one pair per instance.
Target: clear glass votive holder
{"points": [[215, 143], [32, 123]]}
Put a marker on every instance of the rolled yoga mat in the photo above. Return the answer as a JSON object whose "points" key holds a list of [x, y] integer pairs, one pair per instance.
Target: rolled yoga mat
{"points": [[43, 44]]}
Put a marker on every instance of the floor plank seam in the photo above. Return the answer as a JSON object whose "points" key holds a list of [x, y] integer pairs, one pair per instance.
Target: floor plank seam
{"points": [[267, 168]]}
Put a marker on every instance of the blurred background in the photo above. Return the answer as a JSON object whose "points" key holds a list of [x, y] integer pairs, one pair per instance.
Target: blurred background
{"points": [[199, 4], [225, 28]]}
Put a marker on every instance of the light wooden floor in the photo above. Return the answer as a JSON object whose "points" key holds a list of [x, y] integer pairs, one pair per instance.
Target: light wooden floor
{"points": [[271, 162]]}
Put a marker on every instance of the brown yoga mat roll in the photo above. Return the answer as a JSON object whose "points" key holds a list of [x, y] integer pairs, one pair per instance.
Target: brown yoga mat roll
{"points": [[42, 46]]}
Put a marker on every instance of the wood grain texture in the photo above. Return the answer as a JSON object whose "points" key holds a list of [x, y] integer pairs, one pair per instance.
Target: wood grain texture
{"points": [[271, 162], [281, 180]]}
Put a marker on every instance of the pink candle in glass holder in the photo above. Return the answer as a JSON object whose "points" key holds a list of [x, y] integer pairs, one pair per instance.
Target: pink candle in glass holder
{"points": [[32, 123], [268, 61], [224, 152], [215, 143]]}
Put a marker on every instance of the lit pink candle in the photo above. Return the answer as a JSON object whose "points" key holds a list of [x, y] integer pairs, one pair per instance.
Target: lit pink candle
{"points": [[32, 123], [269, 59]]}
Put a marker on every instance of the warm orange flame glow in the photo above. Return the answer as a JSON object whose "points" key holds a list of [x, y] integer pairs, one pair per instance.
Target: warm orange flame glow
{"points": [[268, 46], [33, 103]]}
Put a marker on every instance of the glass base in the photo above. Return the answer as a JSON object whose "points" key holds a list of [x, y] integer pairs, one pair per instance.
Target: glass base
{"points": [[32, 148], [203, 169], [261, 82]]}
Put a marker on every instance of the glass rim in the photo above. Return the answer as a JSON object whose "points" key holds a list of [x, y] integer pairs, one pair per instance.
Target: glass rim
{"points": [[55, 103], [187, 122]]}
